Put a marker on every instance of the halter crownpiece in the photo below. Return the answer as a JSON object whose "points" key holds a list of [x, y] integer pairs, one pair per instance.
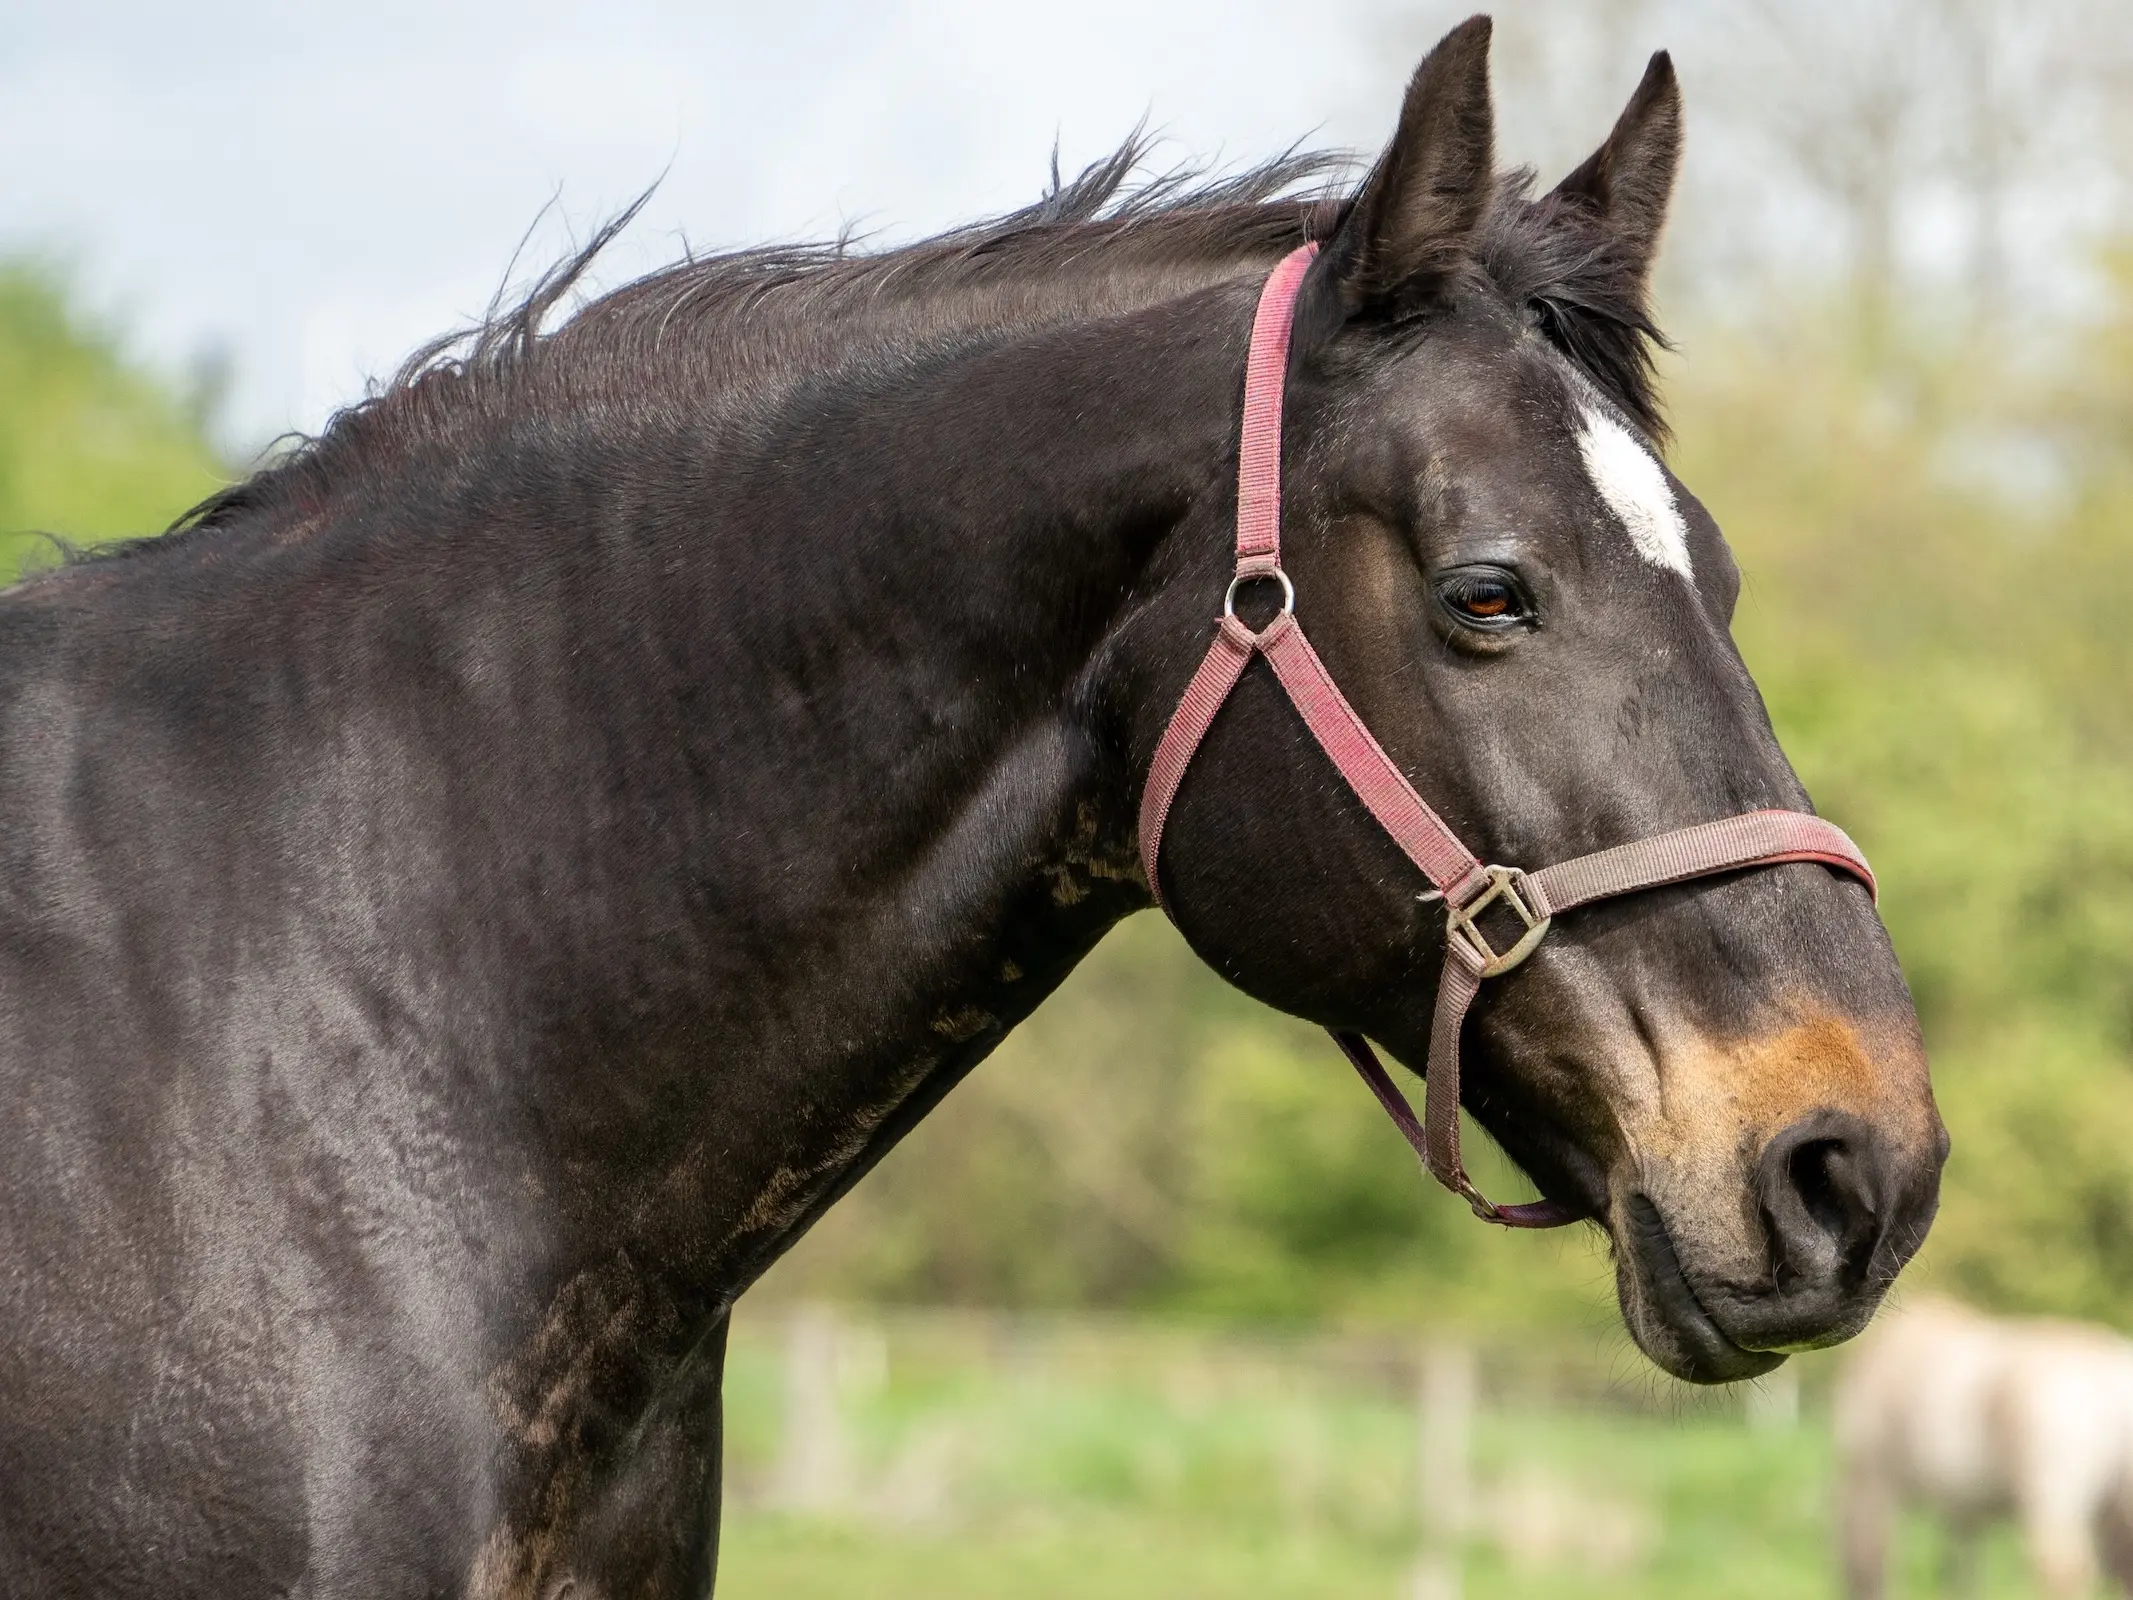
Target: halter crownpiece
{"points": [[1456, 875]]}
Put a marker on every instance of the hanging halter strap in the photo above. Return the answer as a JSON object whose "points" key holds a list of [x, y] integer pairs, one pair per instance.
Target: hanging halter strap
{"points": [[1456, 875]]}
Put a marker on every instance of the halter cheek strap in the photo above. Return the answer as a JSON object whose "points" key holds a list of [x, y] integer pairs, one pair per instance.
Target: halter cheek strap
{"points": [[1456, 875]]}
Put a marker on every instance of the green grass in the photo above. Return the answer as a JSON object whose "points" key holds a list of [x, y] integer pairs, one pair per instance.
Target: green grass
{"points": [[1123, 1558], [1071, 1458]]}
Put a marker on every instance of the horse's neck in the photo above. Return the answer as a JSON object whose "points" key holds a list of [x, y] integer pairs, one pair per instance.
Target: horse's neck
{"points": [[630, 837], [866, 817]]}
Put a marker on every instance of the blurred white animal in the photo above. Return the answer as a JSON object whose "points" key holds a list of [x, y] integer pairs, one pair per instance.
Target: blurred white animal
{"points": [[1976, 1418]]}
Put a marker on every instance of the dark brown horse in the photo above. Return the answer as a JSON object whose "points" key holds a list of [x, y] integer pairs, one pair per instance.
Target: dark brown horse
{"points": [[477, 892]]}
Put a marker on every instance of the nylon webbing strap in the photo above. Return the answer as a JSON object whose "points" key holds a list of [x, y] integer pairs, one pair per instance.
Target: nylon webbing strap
{"points": [[1758, 839], [1259, 439], [1225, 662], [1371, 773]]}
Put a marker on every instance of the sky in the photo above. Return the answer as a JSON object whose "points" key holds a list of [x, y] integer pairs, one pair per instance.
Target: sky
{"points": [[309, 192], [313, 190]]}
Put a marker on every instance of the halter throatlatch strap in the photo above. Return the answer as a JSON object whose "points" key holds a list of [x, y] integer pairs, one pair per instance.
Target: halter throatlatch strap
{"points": [[1466, 886]]}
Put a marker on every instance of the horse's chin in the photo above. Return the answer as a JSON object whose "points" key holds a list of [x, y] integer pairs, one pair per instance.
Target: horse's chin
{"points": [[1665, 1315]]}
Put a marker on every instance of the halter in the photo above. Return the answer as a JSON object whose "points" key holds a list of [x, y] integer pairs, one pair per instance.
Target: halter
{"points": [[1456, 876]]}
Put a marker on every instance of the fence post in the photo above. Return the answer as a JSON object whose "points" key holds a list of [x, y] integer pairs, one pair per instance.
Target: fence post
{"points": [[1444, 1491], [814, 1466]]}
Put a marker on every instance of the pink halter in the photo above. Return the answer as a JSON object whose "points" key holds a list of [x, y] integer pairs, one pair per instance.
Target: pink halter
{"points": [[1757, 839]]}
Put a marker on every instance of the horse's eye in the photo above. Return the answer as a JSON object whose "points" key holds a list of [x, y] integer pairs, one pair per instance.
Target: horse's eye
{"points": [[1483, 597]]}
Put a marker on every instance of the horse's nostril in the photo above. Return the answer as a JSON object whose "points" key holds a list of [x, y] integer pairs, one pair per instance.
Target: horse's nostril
{"points": [[1826, 1175], [1820, 1198]]}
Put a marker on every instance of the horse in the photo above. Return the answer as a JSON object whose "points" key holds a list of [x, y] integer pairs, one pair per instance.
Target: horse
{"points": [[1977, 1419], [479, 887]]}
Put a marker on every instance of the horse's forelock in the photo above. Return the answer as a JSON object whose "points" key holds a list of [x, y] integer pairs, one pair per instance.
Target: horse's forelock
{"points": [[1589, 296]]}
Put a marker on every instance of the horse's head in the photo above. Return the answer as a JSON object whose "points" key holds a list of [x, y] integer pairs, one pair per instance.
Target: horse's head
{"points": [[1533, 617]]}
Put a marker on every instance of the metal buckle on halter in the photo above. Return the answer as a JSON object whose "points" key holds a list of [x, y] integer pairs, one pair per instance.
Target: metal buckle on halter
{"points": [[1505, 884]]}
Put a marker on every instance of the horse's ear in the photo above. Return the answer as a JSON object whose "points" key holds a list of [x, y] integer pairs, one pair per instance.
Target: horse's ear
{"points": [[1627, 182], [1410, 226]]}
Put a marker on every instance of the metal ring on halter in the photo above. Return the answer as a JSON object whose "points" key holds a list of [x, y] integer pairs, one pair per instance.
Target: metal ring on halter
{"points": [[1288, 591]]}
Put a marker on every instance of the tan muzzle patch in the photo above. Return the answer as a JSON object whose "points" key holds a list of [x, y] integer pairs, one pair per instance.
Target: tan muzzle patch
{"points": [[1719, 1102]]}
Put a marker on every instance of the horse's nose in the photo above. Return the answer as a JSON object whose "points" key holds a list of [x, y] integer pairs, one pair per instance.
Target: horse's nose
{"points": [[1825, 1187]]}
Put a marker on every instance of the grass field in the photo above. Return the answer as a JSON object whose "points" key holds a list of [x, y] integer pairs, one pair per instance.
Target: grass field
{"points": [[1072, 1459]]}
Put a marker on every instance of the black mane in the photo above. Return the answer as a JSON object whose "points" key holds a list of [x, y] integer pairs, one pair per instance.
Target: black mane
{"points": [[736, 324]]}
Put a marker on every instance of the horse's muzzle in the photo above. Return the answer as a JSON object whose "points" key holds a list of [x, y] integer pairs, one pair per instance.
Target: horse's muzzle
{"points": [[1839, 1208]]}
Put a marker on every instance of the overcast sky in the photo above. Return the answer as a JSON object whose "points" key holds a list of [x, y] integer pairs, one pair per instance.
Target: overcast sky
{"points": [[317, 189]]}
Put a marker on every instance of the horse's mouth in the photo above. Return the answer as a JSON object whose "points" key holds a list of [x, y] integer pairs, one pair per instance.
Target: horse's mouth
{"points": [[1664, 1313]]}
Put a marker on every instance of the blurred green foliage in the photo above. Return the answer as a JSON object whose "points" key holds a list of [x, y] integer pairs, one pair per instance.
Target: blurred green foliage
{"points": [[1153, 1138], [91, 446], [1937, 534]]}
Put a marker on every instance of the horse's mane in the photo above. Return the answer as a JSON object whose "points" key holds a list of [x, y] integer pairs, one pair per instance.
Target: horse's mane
{"points": [[735, 324]]}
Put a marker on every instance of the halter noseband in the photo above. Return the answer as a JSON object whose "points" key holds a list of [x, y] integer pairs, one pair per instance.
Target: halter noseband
{"points": [[1466, 886]]}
